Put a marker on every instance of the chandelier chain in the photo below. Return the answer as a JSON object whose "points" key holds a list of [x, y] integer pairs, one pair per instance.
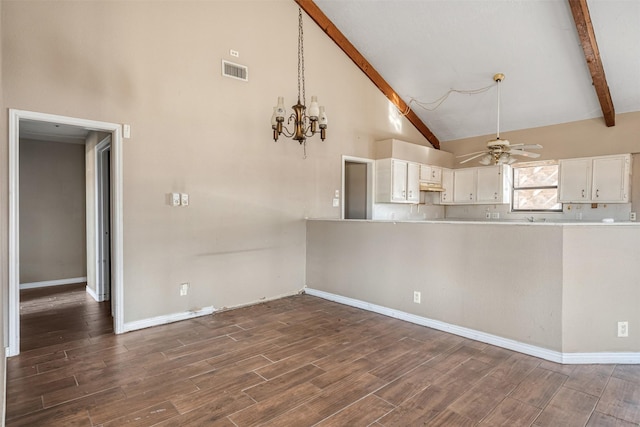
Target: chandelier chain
{"points": [[301, 58]]}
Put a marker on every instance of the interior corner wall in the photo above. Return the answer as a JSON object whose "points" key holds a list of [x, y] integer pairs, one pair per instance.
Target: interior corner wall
{"points": [[156, 66], [52, 211]]}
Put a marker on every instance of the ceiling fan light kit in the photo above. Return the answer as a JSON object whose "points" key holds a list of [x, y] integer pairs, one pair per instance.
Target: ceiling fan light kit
{"points": [[500, 151]]}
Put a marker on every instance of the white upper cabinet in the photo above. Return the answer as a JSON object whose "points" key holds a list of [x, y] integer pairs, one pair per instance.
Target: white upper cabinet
{"points": [[575, 180], [397, 181], [431, 174], [413, 182], [611, 179], [602, 179], [494, 184], [482, 185], [464, 186], [446, 196]]}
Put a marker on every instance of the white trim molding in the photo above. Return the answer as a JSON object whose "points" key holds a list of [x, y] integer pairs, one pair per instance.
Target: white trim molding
{"points": [[168, 318], [93, 294], [14, 226], [57, 282], [185, 315], [531, 350]]}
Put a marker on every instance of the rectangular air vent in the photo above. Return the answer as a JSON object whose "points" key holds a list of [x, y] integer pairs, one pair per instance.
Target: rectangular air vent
{"points": [[235, 71]]}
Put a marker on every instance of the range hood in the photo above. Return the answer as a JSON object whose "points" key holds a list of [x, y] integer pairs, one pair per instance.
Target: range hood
{"points": [[430, 186]]}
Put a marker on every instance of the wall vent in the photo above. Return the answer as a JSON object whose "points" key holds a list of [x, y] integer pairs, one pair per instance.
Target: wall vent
{"points": [[235, 71]]}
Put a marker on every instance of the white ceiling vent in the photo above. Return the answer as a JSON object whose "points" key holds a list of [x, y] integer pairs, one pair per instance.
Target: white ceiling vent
{"points": [[235, 71]]}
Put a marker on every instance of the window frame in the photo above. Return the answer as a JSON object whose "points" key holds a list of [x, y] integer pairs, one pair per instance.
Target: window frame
{"points": [[514, 189]]}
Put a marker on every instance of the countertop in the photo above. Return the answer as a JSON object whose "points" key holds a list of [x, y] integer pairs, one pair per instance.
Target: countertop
{"points": [[563, 223]]}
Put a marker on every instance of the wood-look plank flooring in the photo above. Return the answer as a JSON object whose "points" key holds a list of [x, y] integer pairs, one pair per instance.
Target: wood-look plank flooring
{"points": [[298, 361]]}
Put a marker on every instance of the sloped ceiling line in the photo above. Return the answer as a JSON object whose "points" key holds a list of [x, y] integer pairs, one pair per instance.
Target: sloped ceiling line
{"points": [[334, 34], [580, 12]]}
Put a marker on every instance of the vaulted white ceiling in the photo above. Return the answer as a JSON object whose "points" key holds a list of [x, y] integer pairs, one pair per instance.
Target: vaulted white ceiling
{"points": [[423, 48]]}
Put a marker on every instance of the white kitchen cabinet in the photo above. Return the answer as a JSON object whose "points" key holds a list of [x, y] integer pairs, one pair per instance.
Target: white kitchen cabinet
{"points": [[464, 186], [397, 181], [431, 174], [482, 185], [413, 182], [611, 176], [575, 180], [493, 184], [603, 179], [446, 196]]}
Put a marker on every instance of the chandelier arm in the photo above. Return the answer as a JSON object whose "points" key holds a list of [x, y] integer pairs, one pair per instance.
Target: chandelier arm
{"points": [[286, 132]]}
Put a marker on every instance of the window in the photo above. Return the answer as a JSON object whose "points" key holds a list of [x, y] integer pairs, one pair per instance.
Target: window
{"points": [[535, 187]]}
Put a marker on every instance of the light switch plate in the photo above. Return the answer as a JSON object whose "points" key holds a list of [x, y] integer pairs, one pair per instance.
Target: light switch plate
{"points": [[336, 203]]}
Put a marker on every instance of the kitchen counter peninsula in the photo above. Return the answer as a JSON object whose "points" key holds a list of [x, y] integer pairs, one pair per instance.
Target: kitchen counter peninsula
{"points": [[552, 289]]}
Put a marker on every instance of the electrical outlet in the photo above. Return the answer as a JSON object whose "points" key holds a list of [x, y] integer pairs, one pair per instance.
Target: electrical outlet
{"points": [[174, 199], [416, 297], [184, 199], [495, 215], [632, 216], [184, 289], [623, 329]]}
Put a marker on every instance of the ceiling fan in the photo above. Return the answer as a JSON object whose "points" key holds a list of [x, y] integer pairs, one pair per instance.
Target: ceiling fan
{"points": [[500, 151]]}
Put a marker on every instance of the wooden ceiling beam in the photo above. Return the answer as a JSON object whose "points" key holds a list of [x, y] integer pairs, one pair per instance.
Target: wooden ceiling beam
{"points": [[334, 34], [582, 18]]}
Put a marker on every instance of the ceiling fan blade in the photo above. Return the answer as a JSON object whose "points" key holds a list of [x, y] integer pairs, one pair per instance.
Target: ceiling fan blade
{"points": [[527, 146], [482, 153], [524, 153], [470, 154]]}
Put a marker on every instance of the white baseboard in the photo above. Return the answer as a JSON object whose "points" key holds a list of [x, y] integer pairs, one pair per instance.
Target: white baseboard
{"points": [[47, 283], [543, 353], [93, 294], [168, 318], [176, 317]]}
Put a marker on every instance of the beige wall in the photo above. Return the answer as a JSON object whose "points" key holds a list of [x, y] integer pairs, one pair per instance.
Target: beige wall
{"points": [[585, 138], [562, 288], [156, 66], [600, 277], [52, 211], [504, 280]]}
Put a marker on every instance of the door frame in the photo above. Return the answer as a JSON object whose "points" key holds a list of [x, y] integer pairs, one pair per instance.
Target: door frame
{"points": [[14, 215], [102, 175], [370, 182]]}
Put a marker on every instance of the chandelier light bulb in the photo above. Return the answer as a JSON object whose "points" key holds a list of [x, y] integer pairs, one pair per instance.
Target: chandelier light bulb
{"points": [[280, 110], [314, 111], [322, 120]]}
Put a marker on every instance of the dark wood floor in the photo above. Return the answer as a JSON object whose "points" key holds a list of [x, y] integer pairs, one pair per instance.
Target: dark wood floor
{"points": [[298, 361]]}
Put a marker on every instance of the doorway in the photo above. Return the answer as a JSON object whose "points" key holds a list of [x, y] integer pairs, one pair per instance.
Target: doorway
{"points": [[357, 188], [114, 157]]}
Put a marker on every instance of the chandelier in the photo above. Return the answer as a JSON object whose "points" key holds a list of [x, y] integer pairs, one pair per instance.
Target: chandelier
{"points": [[305, 124]]}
